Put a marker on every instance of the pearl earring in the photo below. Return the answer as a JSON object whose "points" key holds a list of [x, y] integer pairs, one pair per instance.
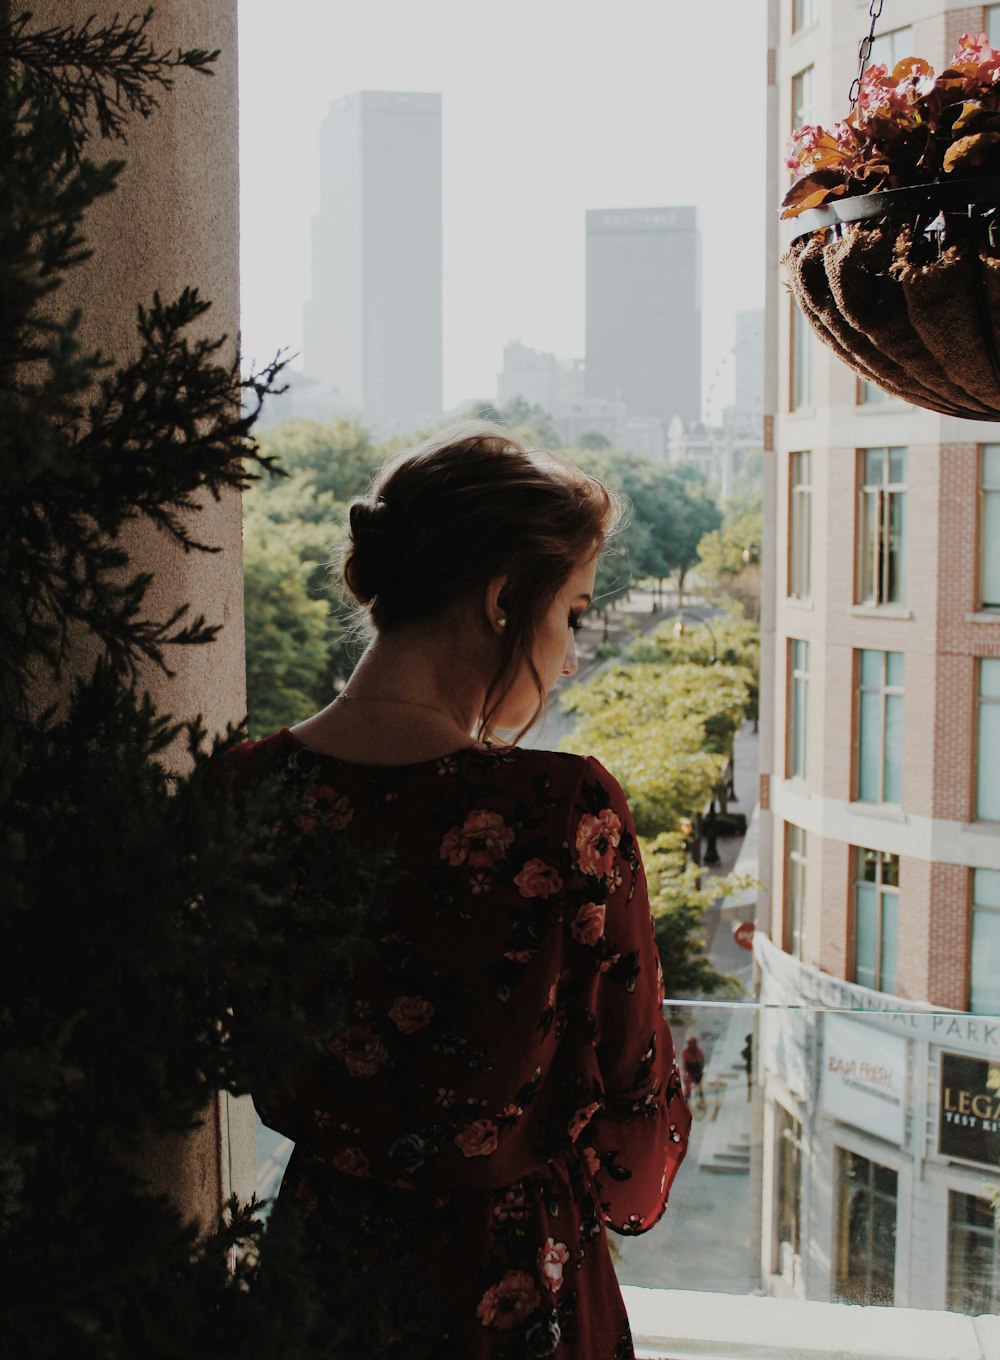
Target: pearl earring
{"points": [[501, 621]]}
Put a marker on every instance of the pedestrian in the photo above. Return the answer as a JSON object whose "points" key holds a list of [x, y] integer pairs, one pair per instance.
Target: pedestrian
{"points": [[506, 1089], [693, 1063], [746, 1053]]}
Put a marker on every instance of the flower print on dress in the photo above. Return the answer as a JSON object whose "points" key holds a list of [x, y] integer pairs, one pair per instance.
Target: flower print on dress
{"points": [[334, 809], [551, 1260], [588, 923], [506, 1304], [538, 879], [481, 840], [351, 1160], [597, 839], [361, 1051], [479, 1139], [410, 1013], [581, 1118]]}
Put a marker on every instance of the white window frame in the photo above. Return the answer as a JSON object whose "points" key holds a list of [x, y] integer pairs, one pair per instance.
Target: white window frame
{"points": [[800, 524], [885, 892], [793, 924], [875, 505], [886, 691]]}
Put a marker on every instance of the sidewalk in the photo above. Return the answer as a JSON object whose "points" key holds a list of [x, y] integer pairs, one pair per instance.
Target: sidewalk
{"points": [[703, 1241]]}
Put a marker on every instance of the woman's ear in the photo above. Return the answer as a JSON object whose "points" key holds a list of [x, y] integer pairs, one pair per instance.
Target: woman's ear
{"points": [[495, 613]]}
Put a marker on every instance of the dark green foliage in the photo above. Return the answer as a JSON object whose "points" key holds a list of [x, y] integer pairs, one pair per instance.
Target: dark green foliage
{"points": [[155, 945]]}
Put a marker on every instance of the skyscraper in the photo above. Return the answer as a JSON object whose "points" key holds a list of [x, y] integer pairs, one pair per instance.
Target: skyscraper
{"points": [[373, 323], [644, 310]]}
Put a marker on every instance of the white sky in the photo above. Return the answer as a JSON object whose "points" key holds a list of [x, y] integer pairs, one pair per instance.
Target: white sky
{"points": [[550, 107]]}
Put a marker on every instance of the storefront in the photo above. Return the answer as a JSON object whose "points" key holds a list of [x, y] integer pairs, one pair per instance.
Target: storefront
{"points": [[881, 1144]]}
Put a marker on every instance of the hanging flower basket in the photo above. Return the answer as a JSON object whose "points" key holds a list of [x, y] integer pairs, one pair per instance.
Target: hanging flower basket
{"points": [[896, 258]]}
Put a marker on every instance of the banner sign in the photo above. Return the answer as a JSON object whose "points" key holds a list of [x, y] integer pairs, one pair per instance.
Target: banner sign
{"points": [[864, 1077], [969, 1114]]}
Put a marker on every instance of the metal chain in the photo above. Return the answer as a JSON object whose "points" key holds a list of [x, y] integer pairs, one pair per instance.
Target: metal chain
{"points": [[865, 50]]}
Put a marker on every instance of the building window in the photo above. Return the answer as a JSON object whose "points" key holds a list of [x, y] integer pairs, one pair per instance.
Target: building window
{"points": [[798, 708], [869, 393], [799, 524], [988, 741], [992, 21], [984, 943], [788, 1192], [989, 528], [866, 1231], [876, 918], [803, 14], [795, 890], [880, 727], [801, 377], [972, 1255], [892, 47], [881, 524], [802, 98]]}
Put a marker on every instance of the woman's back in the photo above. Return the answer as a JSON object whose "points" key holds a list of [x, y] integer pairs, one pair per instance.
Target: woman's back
{"points": [[506, 1082]]}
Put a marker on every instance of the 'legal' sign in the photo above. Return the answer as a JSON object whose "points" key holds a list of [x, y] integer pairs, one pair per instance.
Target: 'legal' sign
{"points": [[969, 1114]]}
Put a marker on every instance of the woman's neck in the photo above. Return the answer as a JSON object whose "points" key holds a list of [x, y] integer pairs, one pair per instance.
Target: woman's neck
{"points": [[411, 697]]}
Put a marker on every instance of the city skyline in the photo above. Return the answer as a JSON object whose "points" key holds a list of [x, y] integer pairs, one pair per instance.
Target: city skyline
{"points": [[540, 125]]}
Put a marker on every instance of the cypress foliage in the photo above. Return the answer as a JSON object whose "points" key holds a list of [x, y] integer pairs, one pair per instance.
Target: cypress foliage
{"points": [[155, 927]]}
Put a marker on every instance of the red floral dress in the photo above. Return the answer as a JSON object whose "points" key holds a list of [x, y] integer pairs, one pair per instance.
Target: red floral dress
{"points": [[507, 1087]]}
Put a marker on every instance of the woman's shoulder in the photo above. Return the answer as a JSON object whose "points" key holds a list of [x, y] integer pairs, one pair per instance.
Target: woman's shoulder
{"points": [[581, 778]]}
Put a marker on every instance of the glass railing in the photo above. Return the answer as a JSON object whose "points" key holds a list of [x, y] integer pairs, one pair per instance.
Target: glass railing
{"points": [[845, 1150]]}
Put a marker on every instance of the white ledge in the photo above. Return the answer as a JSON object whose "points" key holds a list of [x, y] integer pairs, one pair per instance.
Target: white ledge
{"points": [[684, 1324]]}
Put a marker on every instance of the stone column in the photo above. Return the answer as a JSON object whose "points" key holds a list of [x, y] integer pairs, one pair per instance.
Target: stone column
{"points": [[174, 222]]}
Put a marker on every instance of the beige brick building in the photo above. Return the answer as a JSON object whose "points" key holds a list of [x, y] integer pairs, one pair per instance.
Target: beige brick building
{"points": [[880, 822]]}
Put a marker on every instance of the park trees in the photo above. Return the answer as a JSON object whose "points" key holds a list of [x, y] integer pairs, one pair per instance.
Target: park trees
{"points": [[298, 618], [663, 719]]}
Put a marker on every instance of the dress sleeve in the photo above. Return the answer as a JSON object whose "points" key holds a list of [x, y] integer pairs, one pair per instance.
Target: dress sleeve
{"points": [[636, 1133]]}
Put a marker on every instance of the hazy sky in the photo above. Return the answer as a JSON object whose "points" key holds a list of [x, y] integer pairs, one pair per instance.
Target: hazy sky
{"points": [[550, 107]]}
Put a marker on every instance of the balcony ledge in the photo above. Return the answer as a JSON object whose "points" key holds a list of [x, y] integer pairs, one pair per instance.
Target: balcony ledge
{"points": [[679, 1324]]}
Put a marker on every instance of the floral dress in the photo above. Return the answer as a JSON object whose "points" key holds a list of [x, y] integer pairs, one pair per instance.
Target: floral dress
{"points": [[506, 1087]]}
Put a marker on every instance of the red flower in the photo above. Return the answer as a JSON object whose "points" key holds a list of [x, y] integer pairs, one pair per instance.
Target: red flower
{"points": [[480, 841], [551, 1259], [596, 841], [588, 924], [509, 1302], [410, 1013], [538, 879], [479, 1139]]}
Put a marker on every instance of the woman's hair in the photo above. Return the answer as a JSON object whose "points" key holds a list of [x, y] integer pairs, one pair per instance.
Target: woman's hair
{"points": [[470, 504]]}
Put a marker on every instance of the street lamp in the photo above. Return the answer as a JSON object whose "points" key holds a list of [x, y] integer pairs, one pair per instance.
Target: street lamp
{"points": [[679, 633]]}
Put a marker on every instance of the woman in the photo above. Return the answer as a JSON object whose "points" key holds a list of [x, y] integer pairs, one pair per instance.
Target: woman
{"points": [[506, 1088]]}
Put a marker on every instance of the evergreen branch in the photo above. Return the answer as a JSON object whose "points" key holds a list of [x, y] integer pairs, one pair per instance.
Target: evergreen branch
{"points": [[102, 71]]}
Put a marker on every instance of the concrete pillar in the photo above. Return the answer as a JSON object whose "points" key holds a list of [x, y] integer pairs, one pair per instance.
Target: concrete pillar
{"points": [[174, 222]]}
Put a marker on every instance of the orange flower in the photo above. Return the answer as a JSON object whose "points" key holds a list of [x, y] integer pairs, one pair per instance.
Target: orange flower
{"points": [[480, 841], [410, 1013], [588, 924], [581, 1118], [509, 1302], [479, 1139], [551, 1259], [596, 841], [361, 1050], [352, 1161], [538, 879]]}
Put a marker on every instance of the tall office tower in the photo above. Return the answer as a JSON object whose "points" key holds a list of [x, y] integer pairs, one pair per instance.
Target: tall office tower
{"points": [[880, 787], [373, 323], [644, 310]]}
